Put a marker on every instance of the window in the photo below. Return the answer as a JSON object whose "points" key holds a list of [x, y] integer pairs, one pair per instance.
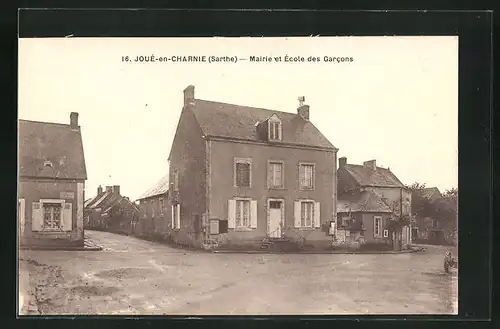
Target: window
{"points": [[306, 214], [306, 176], [52, 216], [377, 227], [345, 221], [434, 223], [275, 174], [161, 206], [176, 216], [242, 173], [274, 130], [242, 213], [176, 180]]}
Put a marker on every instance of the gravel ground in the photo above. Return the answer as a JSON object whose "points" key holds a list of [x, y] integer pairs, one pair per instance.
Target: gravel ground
{"points": [[132, 277]]}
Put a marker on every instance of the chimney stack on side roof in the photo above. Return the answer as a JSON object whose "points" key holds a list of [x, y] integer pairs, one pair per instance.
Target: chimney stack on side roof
{"points": [[99, 190], [109, 189], [116, 189], [342, 162], [372, 164], [73, 120], [303, 110], [189, 95]]}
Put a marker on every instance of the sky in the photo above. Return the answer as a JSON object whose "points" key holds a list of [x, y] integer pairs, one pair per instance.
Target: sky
{"points": [[396, 101]]}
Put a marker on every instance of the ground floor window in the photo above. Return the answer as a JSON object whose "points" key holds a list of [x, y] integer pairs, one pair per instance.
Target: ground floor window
{"points": [[377, 227], [242, 213], [306, 213], [52, 216]]}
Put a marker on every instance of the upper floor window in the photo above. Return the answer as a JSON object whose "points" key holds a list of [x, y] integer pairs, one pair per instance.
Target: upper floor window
{"points": [[242, 172], [377, 226], [434, 223], [275, 174], [176, 180], [274, 128], [307, 174]]}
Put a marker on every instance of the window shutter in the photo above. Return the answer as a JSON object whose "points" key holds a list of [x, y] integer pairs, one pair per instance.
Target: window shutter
{"points": [[67, 217], [253, 214], [36, 216], [296, 211], [301, 176], [317, 214], [173, 217], [269, 174], [231, 213], [178, 219]]}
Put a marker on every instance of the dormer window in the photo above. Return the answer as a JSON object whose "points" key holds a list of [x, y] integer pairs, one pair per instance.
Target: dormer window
{"points": [[274, 129]]}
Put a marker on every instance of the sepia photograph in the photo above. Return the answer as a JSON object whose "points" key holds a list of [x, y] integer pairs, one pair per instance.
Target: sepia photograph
{"points": [[238, 176]]}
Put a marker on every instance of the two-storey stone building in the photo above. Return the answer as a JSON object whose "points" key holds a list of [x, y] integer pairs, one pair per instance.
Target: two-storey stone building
{"points": [[262, 174]]}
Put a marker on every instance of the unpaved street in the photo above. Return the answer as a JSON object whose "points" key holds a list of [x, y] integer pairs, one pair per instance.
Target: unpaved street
{"points": [[132, 276]]}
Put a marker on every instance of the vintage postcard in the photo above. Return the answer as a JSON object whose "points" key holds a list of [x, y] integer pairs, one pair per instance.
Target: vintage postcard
{"points": [[238, 176]]}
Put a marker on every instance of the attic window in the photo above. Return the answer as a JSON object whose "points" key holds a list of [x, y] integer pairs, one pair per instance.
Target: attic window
{"points": [[48, 164], [274, 129]]}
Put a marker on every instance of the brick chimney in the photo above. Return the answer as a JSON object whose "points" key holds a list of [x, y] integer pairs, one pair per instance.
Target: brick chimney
{"points": [[109, 189], [99, 190], [189, 95], [342, 162], [303, 110], [116, 189], [73, 120], [372, 164]]}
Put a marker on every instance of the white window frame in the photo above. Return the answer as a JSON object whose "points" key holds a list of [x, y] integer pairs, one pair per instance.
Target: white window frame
{"points": [[62, 202], [274, 120], [235, 177], [270, 180], [380, 229], [313, 178], [313, 203], [176, 220], [242, 227]]}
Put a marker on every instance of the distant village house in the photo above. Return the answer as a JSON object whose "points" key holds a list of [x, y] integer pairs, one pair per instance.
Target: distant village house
{"points": [[111, 211], [373, 205]]}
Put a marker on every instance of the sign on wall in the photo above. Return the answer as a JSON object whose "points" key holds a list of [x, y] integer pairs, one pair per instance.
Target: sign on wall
{"points": [[67, 195]]}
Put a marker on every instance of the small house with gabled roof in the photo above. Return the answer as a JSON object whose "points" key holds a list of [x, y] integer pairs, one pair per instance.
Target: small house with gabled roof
{"points": [[52, 175], [243, 176], [111, 211], [372, 203]]}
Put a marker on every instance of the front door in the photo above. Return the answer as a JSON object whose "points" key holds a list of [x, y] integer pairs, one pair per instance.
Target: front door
{"points": [[275, 218]]}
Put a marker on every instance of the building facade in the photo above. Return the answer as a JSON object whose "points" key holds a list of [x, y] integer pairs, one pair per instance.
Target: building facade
{"points": [[374, 204], [51, 189], [110, 211], [241, 175], [154, 211]]}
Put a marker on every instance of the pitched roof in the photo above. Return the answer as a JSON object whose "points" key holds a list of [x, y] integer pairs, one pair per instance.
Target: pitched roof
{"points": [[106, 200], [44, 142], [368, 177], [431, 193], [239, 122], [366, 201], [161, 187]]}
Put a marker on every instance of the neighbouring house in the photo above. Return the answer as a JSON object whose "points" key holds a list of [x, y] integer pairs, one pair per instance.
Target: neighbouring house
{"points": [[52, 177], [373, 205], [111, 211], [242, 176], [432, 224], [154, 218]]}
